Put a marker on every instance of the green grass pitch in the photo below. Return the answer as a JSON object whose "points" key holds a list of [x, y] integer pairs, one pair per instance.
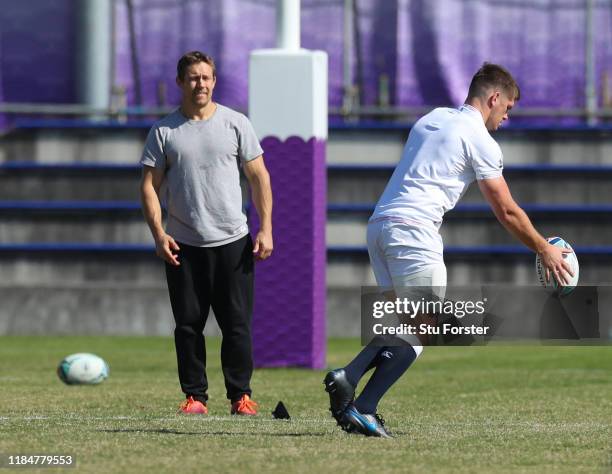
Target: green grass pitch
{"points": [[466, 409]]}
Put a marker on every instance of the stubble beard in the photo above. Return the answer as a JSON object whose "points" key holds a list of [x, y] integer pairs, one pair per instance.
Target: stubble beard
{"points": [[201, 103]]}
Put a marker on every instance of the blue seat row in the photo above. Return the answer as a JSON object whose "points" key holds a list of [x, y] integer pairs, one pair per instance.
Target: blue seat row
{"points": [[461, 209], [530, 169], [483, 251], [558, 210], [335, 124], [69, 206]]}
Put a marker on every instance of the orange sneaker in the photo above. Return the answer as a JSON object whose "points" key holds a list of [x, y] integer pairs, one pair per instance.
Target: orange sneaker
{"points": [[244, 406], [193, 407]]}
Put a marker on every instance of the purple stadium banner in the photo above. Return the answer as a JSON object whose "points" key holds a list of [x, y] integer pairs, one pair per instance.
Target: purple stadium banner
{"points": [[428, 50], [37, 40]]}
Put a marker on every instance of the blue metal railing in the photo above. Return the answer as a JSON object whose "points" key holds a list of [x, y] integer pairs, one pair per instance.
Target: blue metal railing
{"points": [[558, 210], [481, 251], [21, 123], [33, 166]]}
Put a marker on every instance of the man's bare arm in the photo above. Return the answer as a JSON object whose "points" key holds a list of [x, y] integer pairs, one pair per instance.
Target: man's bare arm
{"points": [[259, 180], [514, 219], [151, 208]]}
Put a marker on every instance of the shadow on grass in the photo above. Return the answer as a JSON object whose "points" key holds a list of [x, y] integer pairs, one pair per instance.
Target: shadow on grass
{"points": [[215, 433]]}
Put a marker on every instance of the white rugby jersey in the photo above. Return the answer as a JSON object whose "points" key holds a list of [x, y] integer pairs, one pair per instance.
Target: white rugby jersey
{"points": [[446, 151]]}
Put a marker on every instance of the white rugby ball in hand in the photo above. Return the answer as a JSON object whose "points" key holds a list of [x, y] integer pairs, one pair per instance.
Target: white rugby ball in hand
{"points": [[82, 369], [570, 258]]}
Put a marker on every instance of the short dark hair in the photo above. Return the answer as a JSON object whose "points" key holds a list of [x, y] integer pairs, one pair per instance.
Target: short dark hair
{"points": [[494, 75], [194, 57]]}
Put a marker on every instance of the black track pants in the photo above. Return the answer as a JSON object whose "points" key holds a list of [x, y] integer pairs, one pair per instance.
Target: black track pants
{"points": [[221, 277]]}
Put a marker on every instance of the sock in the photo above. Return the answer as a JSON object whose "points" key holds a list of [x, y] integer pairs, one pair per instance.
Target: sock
{"points": [[363, 362], [394, 361]]}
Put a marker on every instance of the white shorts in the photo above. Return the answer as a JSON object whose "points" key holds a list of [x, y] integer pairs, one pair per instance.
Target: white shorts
{"points": [[398, 258], [397, 265]]}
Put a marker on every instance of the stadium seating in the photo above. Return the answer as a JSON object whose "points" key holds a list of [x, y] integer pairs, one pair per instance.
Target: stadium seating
{"points": [[73, 239]]}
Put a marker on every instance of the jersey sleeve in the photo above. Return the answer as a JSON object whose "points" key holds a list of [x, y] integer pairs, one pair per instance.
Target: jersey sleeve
{"points": [[248, 143], [153, 154], [488, 161]]}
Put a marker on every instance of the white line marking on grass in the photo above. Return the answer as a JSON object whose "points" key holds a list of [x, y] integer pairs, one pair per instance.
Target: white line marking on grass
{"points": [[243, 419], [533, 425], [203, 419]]}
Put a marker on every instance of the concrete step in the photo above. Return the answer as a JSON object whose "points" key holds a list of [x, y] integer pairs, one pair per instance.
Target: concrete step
{"points": [[128, 310], [461, 228], [75, 269], [74, 145], [91, 182], [519, 146], [539, 184], [93, 293], [91, 187], [100, 228], [144, 269], [111, 309], [62, 309], [346, 184], [122, 223], [123, 144], [57, 310], [353, 271]]}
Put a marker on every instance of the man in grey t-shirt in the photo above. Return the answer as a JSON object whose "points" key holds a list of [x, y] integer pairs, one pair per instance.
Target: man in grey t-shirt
{"points": [[191, 162]]}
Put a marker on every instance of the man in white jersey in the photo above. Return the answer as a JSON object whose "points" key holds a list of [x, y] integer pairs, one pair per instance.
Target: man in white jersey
{"points": [[446, 151]]}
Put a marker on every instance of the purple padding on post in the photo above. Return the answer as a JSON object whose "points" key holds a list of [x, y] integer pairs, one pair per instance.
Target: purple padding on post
{"points": [[289, 311]]}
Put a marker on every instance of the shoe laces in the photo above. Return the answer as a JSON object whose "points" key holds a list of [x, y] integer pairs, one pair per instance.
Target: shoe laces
{"points": [[245, 404], [187, 403], [380, 419]]}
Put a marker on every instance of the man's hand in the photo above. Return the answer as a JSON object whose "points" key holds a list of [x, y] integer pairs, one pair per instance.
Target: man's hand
{"points": [[552, 259], [263, 246], [164, 246]]}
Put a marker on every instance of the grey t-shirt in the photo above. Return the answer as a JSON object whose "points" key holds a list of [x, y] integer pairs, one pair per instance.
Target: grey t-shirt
{"points": [[202, 160]]}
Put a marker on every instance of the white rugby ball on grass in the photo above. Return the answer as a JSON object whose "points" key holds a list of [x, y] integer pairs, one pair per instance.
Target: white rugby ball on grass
{"points": [[82, 369], [569, 258]]}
